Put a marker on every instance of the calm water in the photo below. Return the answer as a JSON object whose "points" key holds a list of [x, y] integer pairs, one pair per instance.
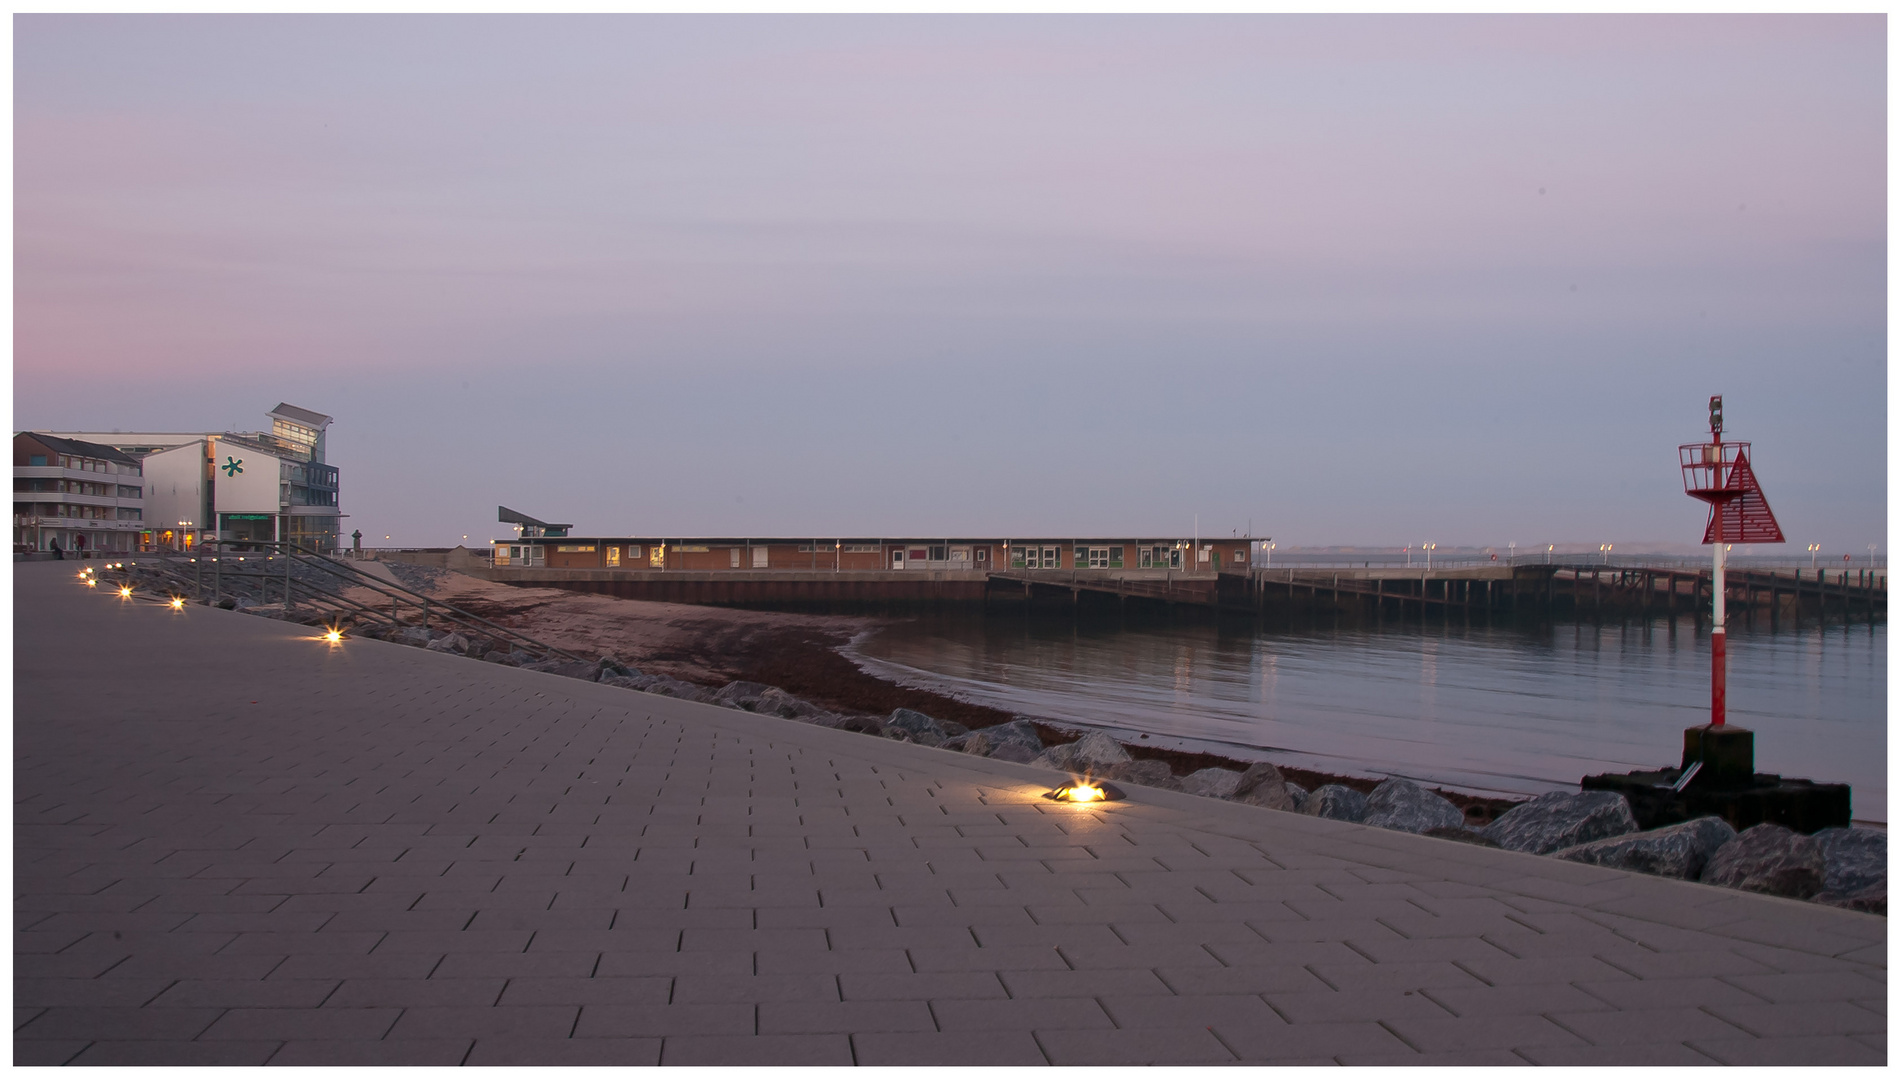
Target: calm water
{"points": [[1493, 708]]}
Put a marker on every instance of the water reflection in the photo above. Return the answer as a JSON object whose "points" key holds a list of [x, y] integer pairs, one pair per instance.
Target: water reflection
{"points": [[1498, 708]]}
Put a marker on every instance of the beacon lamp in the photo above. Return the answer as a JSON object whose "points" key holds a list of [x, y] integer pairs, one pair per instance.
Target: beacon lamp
{"points": [[1084, 791]]}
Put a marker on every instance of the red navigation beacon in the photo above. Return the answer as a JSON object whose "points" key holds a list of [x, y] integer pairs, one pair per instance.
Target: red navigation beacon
{"points": [[1718, 473]]}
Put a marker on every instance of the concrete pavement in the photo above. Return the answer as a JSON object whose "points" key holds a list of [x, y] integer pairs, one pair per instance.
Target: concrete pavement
{"points": [[236, 844]]}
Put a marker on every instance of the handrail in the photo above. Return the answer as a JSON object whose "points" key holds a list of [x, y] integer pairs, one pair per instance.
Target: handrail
{"points": [[395, 591]]}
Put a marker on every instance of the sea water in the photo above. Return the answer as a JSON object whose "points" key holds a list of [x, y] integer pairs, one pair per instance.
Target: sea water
{"points": [[1505, 708]]}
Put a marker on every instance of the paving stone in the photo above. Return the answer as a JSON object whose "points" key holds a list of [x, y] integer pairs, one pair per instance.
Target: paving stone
{"points": [[1791, 1050], [631, 1021], [546, 1052], [946, 1048], [773, 1050], [1146, 1046], [174, 1052], [966, 1015], [374, 1052], [287, 1024]]}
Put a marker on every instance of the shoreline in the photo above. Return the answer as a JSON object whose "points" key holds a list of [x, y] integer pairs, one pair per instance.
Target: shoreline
{"points": [[801, 655]]}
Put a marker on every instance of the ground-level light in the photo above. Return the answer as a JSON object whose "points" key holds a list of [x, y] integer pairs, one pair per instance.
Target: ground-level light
{"points": [[1083, 791], [178, 603], [333, 635], [125, 592]]}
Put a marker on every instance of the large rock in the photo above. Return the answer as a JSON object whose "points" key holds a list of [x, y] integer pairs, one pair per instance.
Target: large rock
{"points": [[1335, 801], [612, 667], [776, 702], [1461, 834], [1406, 807], [450, 643], [1061, 757], [739, 694], [1856, 859], [1098, 751], [1678, 851], [1769, 859], [921, 728], [511, 657], [1147, 772], [685, 691], [1298, 794], [630, 682], [1014, 741], [410, 635], [864, 725], [1263, 785], [1562, 819], [1214, 783]]}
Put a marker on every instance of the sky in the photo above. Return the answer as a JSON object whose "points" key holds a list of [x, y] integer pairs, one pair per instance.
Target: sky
{"points": [[1374, 280]]}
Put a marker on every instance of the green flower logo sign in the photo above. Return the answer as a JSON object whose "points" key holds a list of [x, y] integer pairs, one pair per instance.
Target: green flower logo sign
{"points": [[232, 466]]}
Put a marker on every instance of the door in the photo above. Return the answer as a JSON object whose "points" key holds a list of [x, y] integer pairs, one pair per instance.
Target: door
{"points": [[759, 556], [897, 559]]}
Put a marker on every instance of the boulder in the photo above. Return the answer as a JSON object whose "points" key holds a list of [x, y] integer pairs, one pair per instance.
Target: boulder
{"points": [[1213, 783], [864, 725], [571, 669], [613, 668], [1098, 751], [1263, 785], [1014, 751], [739, 694], [1406, 807], [1020, 735], [776, 702], [1561, 819], [451, 643], [1461, 834], [1146, 772], [1769, 859], [1061, 757], [512, 657], [928, 730], [1873, 900], [1335, 801], [1678, 851], [685, 691], [1299, 793], [410, 635], [629, 682], [1857, 860]]}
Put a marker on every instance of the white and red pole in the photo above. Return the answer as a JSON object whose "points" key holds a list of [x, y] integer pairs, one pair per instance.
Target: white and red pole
{"points": [[1719, 661]]}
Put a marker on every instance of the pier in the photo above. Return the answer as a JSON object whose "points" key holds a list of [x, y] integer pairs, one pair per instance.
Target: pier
{"points": [[1554, 590]]}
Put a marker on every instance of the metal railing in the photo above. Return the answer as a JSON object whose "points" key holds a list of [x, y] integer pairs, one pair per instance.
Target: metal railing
{"points": [[250, 572]]}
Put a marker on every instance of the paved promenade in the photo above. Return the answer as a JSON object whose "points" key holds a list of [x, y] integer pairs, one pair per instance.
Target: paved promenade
{"points": [[235, 844]]}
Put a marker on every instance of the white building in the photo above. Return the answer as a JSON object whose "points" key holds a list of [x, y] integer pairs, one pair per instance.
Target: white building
{"points": [[237, 485]]}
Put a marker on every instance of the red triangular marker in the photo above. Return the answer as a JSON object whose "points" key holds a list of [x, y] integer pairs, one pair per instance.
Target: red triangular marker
{"points": [[1747, 518]]}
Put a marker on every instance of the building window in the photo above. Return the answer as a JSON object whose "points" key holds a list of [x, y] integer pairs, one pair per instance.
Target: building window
{"points": [[613, 556], [575, 549], [37, 459], [659, 556], [1099, 558]]}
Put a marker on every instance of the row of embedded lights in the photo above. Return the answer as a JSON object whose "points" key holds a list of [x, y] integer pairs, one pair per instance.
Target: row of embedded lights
{"points": [[331, 634]]}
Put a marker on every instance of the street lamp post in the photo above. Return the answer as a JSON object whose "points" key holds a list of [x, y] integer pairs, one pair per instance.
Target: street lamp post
{"points": [[1813, 548], [1511, 552], [1428, 549], [1606, 549], [1267, 555], [1549, 548]]}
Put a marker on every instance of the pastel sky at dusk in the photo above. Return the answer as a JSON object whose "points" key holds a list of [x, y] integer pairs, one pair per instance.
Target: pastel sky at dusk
{"points": [[1362, 280]]}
